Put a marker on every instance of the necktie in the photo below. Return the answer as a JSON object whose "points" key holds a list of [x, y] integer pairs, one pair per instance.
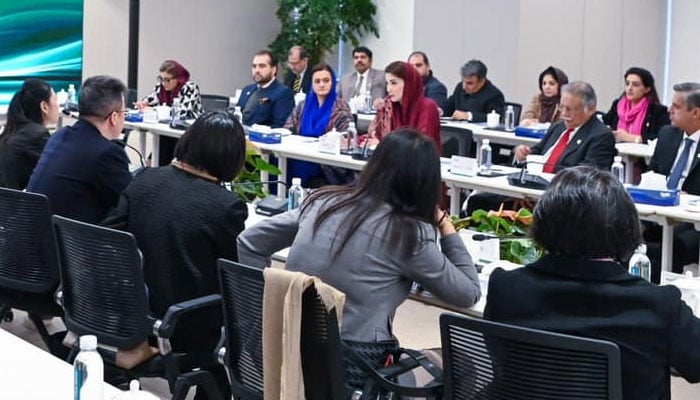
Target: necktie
{"points": [[358, 87], [677, 172], [557, 152], [296, 85]]}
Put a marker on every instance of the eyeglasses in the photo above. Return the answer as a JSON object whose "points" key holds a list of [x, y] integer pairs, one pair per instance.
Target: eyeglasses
{"points": [[122, 112], [163, 79]]}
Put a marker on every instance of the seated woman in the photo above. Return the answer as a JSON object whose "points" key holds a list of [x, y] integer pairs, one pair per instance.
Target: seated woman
{"points": [[374, 239], [184, 220], [637, 115], [320, 112], [544, 106], [173, 82], [406, 105], [31, 110], [581, 287]]}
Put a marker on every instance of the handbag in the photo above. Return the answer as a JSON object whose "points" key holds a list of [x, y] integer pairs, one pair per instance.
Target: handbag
{"points": [[373, 369]]}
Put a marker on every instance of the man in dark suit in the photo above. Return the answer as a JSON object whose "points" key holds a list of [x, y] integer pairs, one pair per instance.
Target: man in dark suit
{"points": [[298, 77], [475, 96], [434, 89], [266, 102], [82, 170], [677, 156], [589, 226], [578, 138]]}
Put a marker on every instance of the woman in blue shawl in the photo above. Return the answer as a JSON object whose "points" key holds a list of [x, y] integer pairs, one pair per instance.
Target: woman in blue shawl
{"points": [[320, 112]]}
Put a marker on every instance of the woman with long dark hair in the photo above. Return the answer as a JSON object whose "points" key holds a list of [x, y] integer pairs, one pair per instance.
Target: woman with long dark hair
{"points": [[25, 134], [544, 106], [406, 105], [637, 115], [320, 112], [372, 240]]}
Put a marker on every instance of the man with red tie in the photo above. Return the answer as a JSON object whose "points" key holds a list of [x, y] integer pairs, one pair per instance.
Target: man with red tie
{"points": [[578, 138]]}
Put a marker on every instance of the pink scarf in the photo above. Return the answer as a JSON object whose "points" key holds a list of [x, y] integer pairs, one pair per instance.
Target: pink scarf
{"points": [[631, 118]]}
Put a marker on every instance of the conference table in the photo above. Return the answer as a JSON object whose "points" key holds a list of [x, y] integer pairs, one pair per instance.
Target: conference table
{"points": [[28, 372], [306, 149]]}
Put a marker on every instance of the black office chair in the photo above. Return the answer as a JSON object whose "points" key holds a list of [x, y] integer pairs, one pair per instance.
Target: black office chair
{"points": [[490, 360], [214, 102], [456, 141], [28, 261], [517, 110], [334, 369], [104, 295], [242, 296]]}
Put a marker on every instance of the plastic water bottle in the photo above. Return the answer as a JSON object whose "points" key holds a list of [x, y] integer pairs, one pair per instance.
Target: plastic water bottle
{"points": [[238, 114], [70, 101], [510, 119], [485, 157], [352, 138], [296, 195], [175, 110], [618, 169], [639, 263], [88, 371]]}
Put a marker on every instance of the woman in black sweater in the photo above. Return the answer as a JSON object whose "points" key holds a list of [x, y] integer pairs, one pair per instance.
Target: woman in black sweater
{"points": [[184, 220], [22, 141]]}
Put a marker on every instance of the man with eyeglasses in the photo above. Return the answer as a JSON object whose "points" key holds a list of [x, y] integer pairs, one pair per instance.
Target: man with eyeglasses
{"points": [[82, 170], [297, 77], [267, 101]]}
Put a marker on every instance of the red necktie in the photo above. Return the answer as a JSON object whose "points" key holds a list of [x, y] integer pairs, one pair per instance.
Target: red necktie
{"points": [[557, 152]]}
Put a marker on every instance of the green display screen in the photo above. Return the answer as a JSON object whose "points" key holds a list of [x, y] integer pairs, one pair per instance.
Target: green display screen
{"points": [[40, 39]]}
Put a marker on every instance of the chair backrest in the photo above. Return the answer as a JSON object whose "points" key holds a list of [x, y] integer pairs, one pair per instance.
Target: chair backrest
{"points": [[131, 96], [322, 357], [242, 298], [28, 255], [103, 286], [490, 360], [517, 110], [214, 102]]}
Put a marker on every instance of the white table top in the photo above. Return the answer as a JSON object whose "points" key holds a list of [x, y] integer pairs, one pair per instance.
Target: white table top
{"points": [[28, 372]]}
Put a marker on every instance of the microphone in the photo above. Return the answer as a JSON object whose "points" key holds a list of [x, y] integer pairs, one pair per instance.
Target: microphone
{"points": [[124, 144], [529, 181], [479, 237]]}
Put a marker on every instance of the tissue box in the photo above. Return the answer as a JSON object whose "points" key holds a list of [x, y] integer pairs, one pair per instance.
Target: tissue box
{"points": [[654, 197], [265, 137], [537, 133]]}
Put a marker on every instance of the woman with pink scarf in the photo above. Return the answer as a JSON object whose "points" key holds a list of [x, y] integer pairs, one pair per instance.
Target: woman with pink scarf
{"points": [[637, 115]]}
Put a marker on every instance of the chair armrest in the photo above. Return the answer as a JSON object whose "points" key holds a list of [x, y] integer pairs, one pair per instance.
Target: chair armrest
{"points": [[220, 353], [177, 310]]}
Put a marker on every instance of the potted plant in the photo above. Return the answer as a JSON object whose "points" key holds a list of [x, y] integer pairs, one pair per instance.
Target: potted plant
{"points": [[511, 226], [248, 185]]}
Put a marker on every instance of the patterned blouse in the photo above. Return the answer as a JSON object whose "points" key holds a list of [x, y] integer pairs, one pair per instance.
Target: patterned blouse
{"points": [[190, 100]]}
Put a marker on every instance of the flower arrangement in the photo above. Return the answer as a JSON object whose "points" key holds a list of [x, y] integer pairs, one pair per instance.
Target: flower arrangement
{"points": [[509, 225]]}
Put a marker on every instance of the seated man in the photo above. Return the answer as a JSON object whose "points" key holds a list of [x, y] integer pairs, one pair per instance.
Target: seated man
{"points": [[674, 156], [434, 89], [578, 138], [365, 81], [590, 227], [82, 171], [266, 102], [298, 77], [475, 96]]}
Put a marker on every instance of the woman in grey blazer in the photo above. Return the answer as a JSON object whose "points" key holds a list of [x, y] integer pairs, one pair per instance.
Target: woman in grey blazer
{"points": [[372, 240]]}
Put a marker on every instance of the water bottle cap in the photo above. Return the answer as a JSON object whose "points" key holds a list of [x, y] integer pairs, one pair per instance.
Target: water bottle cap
{"points": [[238, 108], [486, 141], [88, 342], [351, 125], [618, 158], [510, 108], [71, 86], [296, 181], [642, 248]]}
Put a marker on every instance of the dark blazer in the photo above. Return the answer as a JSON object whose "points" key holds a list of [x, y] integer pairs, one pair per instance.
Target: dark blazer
{"points": [[484, 101], [305, 80], [593, 144], [436, 90], [275, 102], [652, 326], [656, 118], [670, 138], [19, 153], [81, 172]]}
